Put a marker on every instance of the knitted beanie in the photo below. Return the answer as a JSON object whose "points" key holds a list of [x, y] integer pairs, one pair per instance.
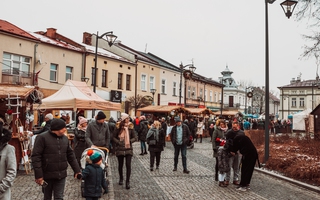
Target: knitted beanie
{"points": [[124, 116], [94, 156], [82, 121], [49, 116], [57, 124], [101, 115]]}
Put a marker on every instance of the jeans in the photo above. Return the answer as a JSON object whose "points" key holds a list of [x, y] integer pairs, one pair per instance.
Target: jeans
{"points": [[183, 149], [234, 163], [55, 186], [143, 146]]}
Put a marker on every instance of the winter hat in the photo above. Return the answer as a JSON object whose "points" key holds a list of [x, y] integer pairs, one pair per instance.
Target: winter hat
{"points": [[124, 116], [57, 124], [5, 136], [49, 116], [82, 121], [177, 119], [94, 156], [101, 115]]}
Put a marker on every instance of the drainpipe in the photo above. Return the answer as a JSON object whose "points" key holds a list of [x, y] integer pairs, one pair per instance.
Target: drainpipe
{"points": [[34, 62], [135, 88]]}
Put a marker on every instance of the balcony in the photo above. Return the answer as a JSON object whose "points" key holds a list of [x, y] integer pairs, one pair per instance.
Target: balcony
{"points": [[20, 78]]}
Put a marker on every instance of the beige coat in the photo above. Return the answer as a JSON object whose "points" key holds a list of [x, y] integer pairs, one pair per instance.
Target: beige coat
{"points": [[199, 128]]}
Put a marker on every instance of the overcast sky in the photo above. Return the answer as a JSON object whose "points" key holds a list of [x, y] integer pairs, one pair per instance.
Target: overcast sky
{"points": [[211, 33]]}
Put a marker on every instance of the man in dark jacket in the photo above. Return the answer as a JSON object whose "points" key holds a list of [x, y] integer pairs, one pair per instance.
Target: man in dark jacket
{"points": [[180, 137], [249, 158], [50, 157], [48, 118], [234, 161], [142, 135], [98, 133]]}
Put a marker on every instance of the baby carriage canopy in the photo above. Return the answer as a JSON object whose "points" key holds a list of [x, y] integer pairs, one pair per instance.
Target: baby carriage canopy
{"points": [[85, 158]]}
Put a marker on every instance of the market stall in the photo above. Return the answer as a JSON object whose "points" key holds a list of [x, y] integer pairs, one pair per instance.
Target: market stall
{"points": [[16, 107]]}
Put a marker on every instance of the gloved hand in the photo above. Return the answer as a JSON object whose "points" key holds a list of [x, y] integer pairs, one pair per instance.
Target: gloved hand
{"points": [[105, 191]]}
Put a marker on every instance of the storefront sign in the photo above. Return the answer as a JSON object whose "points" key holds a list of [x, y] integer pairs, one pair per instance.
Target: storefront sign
{"points": [[116, 96]]}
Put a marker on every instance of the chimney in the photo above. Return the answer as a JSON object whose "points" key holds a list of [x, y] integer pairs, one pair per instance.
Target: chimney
{"points": [[86, 39], [293, 80], [51, 33]]}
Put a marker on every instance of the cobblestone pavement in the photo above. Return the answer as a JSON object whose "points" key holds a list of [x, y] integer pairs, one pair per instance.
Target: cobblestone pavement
{"points": [[164, 184]]}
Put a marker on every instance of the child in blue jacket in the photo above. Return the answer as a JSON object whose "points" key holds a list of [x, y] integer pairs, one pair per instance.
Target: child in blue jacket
{"points": [[93, 176]]}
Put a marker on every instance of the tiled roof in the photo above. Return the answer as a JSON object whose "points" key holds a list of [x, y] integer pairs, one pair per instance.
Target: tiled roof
{"points": [[12, 29], [47, 40], [300, 84], [161, 61]]}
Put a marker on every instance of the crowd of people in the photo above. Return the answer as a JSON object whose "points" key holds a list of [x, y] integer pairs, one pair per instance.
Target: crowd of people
{"points": [[52, 152]]}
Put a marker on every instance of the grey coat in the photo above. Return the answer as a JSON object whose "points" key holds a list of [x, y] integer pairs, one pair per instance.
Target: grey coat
{"points": [[8, 171], [217, 133], [98, 134]]}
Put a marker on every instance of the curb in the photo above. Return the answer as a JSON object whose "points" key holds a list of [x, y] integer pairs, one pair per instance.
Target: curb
{"points": [[299, 183]]}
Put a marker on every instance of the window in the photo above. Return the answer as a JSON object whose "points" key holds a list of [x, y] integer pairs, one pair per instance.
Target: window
{"points": [[210, 96], [174, 89], [293, 102], [15, 64], [201, 93], [193, 92], [143, 82], [53, 73], [151, 82], [205, 95], [301, 103], [189, 92], [104, 79], [163, 86], [215, 97], [120, 80], [93, 76], [68, 73], [128, 82]]}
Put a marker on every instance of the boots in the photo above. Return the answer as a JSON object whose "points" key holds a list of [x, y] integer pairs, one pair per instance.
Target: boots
{"points": [[127, 185], [222, 184], [200, 138], [141, 153], [145, 152]]}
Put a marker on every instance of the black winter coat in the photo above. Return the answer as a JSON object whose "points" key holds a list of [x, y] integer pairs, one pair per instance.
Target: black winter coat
{"points": [[160, 143], [120, 149], [143, 130], [185, 135], [94, 180], [79, 143], [43, 129], [51, 155]]}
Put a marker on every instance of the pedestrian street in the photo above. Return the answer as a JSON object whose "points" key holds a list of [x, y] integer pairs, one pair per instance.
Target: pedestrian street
{"points": [[166, 184]]}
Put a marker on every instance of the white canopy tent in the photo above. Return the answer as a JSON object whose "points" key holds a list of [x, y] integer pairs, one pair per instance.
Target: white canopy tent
{"points": [[77, 95], [298, 119]]}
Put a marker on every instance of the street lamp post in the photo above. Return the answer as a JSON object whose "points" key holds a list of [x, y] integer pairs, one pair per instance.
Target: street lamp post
{"points": [[110, 39], [153, 91], [189, 72], [247, 95], [288, 7], [221, 81]]}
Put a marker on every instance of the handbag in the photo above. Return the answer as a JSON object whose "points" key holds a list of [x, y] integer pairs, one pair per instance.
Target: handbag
{"points": [[152, 142]]}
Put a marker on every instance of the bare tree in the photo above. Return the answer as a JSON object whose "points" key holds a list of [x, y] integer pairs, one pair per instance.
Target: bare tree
{"points": [[138, 102], [310, 9]]}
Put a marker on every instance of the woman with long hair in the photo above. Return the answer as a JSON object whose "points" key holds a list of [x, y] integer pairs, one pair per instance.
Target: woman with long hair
{"points": [[217, 136], [123, 138], [156, 140]]}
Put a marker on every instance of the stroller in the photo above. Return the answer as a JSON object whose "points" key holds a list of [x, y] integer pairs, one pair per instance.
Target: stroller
{"points": [[190, 144], [104, 164]]}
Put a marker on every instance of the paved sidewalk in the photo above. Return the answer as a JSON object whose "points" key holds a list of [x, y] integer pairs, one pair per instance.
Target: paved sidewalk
{"points": [[165, 184]]}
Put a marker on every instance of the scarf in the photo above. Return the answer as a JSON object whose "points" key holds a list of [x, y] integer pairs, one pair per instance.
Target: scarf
{"points": [[82, 128], [124, 136], [155, 132], [224, 129]]}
